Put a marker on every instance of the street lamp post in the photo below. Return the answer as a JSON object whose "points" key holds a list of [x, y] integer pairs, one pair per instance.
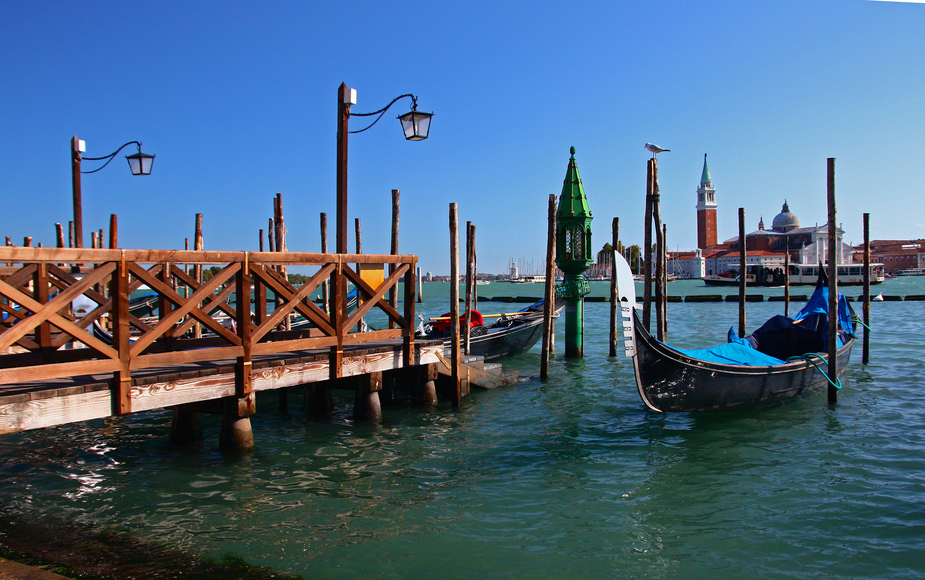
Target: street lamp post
{"points": [[415, 124], [139, 164]]}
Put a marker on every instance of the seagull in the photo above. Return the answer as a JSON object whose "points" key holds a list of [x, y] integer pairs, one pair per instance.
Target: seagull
{"points": [[655, 149]]}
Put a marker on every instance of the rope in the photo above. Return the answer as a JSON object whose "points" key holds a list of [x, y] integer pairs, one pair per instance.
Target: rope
{"points": [[808, 357], [858, 320]]}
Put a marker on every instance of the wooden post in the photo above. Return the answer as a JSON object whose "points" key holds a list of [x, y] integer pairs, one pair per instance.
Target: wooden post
{"points": [[121, 330], [475, 272], [833, 283], [94, 240], [454, 304], [420, 286], [866, 307], [787, 277], [469, 283], [614, 294], [743, 261], [70, 234], [366, 404], [100, 240], [197, 269], [75, 189], [548, 289], [393, 292], [113, 232], [647, 248], [59, 235], [325, 295], [359, 251], [282, 247], [663, 305], [659, 254]]}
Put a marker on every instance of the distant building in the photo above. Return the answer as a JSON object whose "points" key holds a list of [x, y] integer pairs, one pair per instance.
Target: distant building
{"points": [[895, 255], [706, 209], [764, 247]]}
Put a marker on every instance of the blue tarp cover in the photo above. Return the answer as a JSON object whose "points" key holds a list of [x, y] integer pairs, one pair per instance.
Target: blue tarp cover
{"points": [[733, 353], [739, 351]]}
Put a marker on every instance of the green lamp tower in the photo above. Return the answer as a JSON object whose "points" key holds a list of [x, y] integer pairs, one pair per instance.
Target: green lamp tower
{"points": [[573, 256]]}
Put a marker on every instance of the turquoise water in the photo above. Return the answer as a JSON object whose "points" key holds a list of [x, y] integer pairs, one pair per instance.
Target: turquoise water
{"points": [[568, 478]]}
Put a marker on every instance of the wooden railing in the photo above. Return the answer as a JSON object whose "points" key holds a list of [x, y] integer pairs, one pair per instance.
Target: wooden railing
{"points": [[39, 328]]}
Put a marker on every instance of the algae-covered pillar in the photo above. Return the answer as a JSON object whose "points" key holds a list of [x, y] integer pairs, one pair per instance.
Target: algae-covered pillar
{"points": [[573, 256]]}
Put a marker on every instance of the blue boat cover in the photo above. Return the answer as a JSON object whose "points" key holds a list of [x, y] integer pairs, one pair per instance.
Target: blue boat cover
{"points": [[781, 337], [733, 353]]}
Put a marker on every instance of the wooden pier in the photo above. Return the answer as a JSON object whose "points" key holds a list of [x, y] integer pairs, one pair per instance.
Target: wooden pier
{"points": [[60, 365]]}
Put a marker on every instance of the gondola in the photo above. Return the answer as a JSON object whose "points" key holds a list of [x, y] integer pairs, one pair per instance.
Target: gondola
{"points": [[511, 334], [780, 361]]}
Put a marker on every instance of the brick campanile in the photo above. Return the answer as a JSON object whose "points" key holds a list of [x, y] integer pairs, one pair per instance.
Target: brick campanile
{"points": [[706, 209]]}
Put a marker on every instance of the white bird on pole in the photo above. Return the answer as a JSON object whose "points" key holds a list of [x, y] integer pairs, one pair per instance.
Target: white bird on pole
{"points": [[655, 149]]}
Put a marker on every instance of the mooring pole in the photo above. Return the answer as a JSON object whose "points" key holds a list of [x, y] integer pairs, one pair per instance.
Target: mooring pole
{"points": [[325, 295], [197, 269], [113, 232], [469, 283], [659, 253], [866, 308], [833, 285], [742, 274], [393, 292], [647, 248], [663, 306], [787, 276], [454, 305], [420, 286], [548, 292], [614, 295]]}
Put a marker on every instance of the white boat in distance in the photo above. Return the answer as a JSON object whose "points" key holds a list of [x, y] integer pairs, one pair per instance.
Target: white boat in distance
{"points": [[534, 279]]}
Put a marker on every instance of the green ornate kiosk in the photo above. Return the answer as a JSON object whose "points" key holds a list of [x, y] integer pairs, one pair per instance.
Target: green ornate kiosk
{"points": [[573, 256]]}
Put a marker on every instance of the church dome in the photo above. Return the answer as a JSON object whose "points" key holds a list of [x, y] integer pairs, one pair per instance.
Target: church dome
{"points": [[785, 221]]}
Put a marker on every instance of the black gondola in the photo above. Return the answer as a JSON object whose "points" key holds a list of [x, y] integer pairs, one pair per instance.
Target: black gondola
{"points": [[510, 335], [780, 361]]}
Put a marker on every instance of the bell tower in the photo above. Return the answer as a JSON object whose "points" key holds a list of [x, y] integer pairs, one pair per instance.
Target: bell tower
{"points": [[706, 209]]}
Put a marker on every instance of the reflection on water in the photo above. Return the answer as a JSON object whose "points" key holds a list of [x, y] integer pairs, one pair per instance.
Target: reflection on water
{"points": [[572, 477]]}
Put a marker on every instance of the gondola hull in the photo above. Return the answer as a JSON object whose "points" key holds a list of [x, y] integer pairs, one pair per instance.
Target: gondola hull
{"points": [[669, 381], [503, 343]]}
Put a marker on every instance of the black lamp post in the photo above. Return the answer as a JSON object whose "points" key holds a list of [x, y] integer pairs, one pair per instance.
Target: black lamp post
{"points": [[414, 123], [139, 163]]}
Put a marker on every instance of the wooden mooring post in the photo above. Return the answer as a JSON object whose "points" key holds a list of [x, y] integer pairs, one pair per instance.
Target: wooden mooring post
{"points": [[614, 294], [833, 282], [647, 245], [865, 358], [743, 262], [549, 294], [454, 306]]}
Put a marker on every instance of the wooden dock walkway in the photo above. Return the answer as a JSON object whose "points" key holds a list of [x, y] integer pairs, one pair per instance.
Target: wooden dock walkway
{"points": [[185, 357]]}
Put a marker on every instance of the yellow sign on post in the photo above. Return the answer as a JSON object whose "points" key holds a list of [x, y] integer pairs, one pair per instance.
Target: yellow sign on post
{"points": [[372, 274]]}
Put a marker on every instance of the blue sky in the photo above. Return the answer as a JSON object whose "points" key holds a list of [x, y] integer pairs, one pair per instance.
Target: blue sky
{"points": [[238, 102]]}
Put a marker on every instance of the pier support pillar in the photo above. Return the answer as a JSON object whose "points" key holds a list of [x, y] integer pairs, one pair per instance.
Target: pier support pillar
{"points": [[236, 434], [425, 385], [367, 405], [318, 401], [186, 427]]}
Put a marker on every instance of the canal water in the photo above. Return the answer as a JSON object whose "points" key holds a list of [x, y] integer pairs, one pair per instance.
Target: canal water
{"points": [[567, 478]]}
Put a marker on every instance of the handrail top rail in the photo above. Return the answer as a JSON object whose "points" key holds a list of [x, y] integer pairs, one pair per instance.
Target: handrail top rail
{"points": [[18, 254]]}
